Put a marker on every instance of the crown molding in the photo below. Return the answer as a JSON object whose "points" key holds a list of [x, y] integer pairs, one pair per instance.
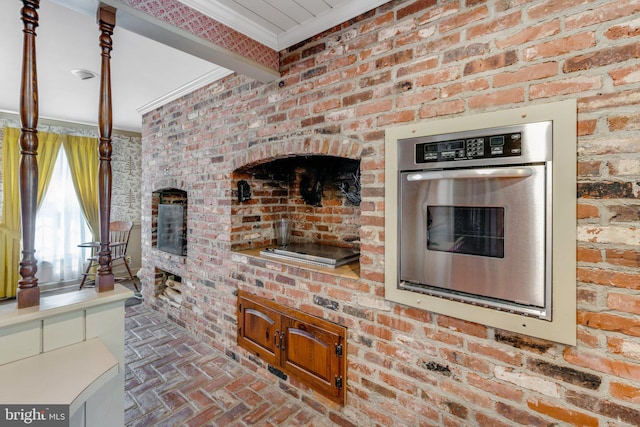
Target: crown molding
{"points": [[202, 81], [233, 19], [326, 20], [45, 121], [279, 41]]}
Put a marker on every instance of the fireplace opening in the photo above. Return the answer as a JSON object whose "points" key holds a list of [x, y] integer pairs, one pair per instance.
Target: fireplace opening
{"points": [[319, 194], [314, 177], [169, 221]]}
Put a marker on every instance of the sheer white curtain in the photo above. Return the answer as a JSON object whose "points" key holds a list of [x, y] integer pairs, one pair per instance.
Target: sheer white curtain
{"points": [[60, 227]]}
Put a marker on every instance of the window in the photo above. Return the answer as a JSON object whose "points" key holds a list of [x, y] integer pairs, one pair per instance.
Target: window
{"points": [[60, 227], [466, 230]]}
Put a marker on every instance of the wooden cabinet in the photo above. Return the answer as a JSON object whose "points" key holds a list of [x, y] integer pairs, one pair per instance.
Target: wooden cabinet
{"points": [[306, 347], [259, 330]]}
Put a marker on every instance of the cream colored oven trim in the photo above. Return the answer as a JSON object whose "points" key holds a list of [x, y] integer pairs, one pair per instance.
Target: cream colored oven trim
{"points": [[562, 327]]}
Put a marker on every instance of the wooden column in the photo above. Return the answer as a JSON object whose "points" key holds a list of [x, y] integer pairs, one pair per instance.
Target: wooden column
{"points": [[107, 22], [29, 292]]}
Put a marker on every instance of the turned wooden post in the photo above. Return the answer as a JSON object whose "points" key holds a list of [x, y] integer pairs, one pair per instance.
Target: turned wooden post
{"points": [[29, 292], [107, 21]]}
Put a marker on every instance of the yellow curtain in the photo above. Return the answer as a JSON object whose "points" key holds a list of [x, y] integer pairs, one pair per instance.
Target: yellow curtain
{"points": [[10, 227], [48, 149], [82, 153]]}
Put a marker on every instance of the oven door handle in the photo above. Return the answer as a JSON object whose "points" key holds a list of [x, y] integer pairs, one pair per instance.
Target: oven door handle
{"points": [[488, 173]]}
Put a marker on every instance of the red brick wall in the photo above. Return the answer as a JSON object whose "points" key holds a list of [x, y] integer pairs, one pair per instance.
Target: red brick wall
{"points": [[413, 61]]}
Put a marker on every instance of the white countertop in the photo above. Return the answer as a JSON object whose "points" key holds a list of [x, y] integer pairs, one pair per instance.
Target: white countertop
{"points": [[60, 303]]}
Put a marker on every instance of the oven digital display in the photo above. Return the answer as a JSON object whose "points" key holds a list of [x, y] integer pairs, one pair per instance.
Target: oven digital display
{"points": [[482, 147], [496, 141], [466, 230], [451, 145]]}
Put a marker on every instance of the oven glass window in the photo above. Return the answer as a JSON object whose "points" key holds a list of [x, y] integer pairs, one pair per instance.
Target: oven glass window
{"points": [[466, 230]]}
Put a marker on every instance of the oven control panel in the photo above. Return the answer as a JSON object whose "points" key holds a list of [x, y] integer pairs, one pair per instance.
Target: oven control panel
{"points": [[478, 147]]}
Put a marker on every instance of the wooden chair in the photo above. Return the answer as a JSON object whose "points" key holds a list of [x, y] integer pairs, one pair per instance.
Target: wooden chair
{"points": [[119, 233]]}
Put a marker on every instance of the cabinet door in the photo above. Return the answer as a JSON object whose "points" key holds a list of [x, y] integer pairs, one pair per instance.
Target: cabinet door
{"points": [[313, 354], [259, 330]]}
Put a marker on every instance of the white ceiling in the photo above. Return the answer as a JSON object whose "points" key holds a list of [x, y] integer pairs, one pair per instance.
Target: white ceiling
{"points": [[144, 73], [282, 23]]}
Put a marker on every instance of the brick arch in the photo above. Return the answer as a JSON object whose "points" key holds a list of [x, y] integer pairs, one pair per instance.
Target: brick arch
{"points": [[327, 145], [335, 221], [167, 184]]}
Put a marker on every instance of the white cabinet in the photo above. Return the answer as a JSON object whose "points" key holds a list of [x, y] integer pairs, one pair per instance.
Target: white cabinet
{"points": [[67, 351]]}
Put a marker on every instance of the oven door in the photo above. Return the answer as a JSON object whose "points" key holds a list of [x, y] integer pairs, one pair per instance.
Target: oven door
{"points": [[477, 235]]}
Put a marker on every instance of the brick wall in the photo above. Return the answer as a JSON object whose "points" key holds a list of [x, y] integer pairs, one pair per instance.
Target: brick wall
{"points": [[405, 62]]}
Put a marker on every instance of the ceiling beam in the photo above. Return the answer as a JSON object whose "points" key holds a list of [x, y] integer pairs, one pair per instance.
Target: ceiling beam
{"points": [[231, 50]]}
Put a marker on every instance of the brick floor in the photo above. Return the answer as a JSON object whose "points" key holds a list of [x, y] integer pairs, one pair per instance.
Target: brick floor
{"points": [[172, 379]]}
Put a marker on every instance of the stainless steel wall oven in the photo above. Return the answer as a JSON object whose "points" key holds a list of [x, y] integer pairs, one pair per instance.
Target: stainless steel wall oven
{"points": [[474, 217]]}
